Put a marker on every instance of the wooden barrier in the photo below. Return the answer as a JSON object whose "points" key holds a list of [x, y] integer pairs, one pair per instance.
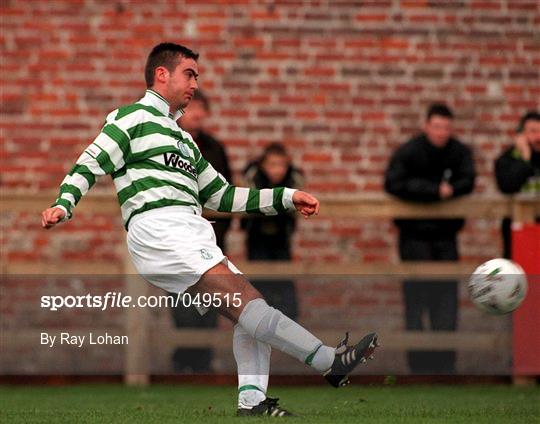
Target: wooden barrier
{"points": [[366, 206], [440, 340], [254, 269], [522, 208]]}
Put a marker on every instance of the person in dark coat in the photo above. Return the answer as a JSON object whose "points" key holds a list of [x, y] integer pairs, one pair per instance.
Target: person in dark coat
{"points": [[268, 238], [431, 167], [517, 169]]}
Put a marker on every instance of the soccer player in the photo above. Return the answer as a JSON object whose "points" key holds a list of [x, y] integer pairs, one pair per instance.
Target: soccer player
{"points": [[162, 183]]}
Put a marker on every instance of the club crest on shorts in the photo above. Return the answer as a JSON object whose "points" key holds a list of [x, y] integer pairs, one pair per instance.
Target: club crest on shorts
{"points": [[205, 254], [184, 150]]}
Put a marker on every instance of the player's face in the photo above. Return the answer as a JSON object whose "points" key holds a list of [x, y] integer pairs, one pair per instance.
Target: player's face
{"points": [[532, 134], [182, 83], [275, 167], [193, 119], [438, 130]]}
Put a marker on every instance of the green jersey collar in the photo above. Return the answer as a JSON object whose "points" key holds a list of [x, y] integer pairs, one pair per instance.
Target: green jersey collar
{"points": [[153, 98]]}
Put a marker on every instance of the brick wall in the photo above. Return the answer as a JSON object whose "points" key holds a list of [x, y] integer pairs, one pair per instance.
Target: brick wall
{"points": [[342, 83]]}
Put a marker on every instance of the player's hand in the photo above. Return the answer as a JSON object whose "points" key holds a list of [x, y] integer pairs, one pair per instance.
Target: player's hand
{"points": [[523, 147], [51, 216], [305, 203], [445, 190]]}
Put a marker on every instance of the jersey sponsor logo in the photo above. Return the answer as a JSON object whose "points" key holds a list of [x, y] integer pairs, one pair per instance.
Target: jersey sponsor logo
{"points": [[175, 161]]}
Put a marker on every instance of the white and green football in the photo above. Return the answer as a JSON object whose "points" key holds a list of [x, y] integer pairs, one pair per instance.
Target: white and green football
{"points": [[498, 286]]}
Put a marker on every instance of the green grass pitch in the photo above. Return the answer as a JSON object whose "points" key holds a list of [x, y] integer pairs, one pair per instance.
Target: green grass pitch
{"points": [[209, 404]]}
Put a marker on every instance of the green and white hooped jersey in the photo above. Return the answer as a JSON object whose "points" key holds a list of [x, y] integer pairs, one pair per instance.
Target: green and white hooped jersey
{"points": [[154, 164]]}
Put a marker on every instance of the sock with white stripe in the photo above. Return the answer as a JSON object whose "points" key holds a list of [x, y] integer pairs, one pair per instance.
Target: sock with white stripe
{"points": [[268, 325], [253, 362]]}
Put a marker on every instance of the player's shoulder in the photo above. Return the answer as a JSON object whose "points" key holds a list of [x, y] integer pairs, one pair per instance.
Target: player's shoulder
{"points": [[129, 115]]}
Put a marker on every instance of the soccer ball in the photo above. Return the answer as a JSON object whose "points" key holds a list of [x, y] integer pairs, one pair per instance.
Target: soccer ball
{"points": [[498, 286]]}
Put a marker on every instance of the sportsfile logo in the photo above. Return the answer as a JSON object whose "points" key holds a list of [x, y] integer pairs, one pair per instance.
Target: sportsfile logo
{"points": [[175, 161], [113, 300]]}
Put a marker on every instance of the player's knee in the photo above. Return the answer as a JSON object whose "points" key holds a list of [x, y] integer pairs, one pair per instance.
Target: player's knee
{"points": [[248, 296], [239, 295], [254, 313]]}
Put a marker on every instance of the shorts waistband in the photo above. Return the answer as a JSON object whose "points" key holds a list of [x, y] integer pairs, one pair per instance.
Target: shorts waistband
{"points": [[165, 211]]}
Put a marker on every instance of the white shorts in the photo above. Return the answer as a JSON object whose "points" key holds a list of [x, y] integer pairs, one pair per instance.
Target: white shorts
{"points": [[172, 247]]}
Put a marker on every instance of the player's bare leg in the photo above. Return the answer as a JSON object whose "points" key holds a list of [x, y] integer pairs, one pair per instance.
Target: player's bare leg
{"points": [[262, 322], [222, 281], [255, 318], [252, 356]]}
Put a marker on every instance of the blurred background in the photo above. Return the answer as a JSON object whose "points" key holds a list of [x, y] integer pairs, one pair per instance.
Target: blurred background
{"points": [[341, 84]]}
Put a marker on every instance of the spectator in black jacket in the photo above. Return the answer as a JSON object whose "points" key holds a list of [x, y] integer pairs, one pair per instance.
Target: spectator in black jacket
{"points": [[518, 167], [431, 167], [268, 238]]}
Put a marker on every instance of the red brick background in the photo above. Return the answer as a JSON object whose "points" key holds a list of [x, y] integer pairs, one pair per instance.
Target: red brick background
{"points": [[342, 83]]}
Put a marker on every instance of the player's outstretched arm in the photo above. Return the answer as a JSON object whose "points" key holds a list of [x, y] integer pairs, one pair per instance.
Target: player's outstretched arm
{"points": [[52, 216], [305, 203], [105, 155], [217, 194]]}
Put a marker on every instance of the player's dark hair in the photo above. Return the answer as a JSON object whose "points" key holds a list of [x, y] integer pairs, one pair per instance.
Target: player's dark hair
{"points": [[529, 116], [167, 55], [201, 97], [439, 109]]}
